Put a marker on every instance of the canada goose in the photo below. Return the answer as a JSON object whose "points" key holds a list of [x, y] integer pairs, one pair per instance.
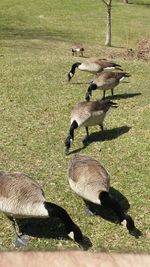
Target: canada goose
{"points": [[77, 49], [22, 197], [93, 65], [89, 179], [87, 114], [106, 81]]}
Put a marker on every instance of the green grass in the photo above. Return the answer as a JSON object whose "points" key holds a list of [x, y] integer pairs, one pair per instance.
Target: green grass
{"points": [[35, 105]]}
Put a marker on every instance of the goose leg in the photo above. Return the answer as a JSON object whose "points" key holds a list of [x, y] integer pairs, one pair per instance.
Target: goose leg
{"points": [[21, 240], [102, 127], [86, 137], [87, 131], [104, 94], [112, 91], [89, 211]]}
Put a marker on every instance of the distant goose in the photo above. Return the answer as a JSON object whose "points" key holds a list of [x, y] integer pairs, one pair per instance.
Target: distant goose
{"points": [[86, 114], [93, 65], [89, 179], [106, 81], [22, 197], [77, 49]]}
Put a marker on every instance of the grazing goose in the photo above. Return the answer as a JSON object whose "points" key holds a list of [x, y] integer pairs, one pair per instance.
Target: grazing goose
{"points": [[106, 81], [93, 65], [89, 179], [22, 197], [87, 114], [77, 49]]}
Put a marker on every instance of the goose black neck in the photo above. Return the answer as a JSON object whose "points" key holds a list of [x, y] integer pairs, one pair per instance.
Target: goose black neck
{"points": [[92, 87], [88, 94], [112, 203], [57, 211], [74, 66], [70, 137]]}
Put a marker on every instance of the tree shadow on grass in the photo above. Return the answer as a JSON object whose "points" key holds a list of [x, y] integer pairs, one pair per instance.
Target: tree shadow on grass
{"points": [[27, 34], [101, 136], [49, 228], [108, 135], [141, 4]]}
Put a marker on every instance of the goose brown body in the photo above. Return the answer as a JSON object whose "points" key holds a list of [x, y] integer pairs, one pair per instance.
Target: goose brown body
{"points": [[93, 65], [90, 180], [106, 81], [87, 177], [77, 49], [21, 196], [90, 113], [86, 114]]}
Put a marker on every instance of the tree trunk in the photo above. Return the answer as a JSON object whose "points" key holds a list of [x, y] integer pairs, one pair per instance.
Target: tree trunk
{"points": [[125, 1], [108, 26]]}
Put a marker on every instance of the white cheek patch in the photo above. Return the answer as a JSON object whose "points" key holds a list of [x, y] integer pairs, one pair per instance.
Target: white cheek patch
{"points": [[124, 223], [71, 235], [122, 79], [71, 75]]}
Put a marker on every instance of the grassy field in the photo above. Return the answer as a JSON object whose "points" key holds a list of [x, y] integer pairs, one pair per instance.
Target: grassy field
{"points": [[35, 105]]}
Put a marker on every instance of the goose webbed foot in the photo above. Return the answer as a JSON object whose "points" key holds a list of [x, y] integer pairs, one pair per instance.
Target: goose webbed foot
{"points": [[102, 127], [85, 141], [21, 240], [89, 212]]}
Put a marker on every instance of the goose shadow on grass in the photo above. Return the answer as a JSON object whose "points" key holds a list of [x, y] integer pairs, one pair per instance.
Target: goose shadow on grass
{"points": [[101, 136], [107, 213], [78, 83], [49, 228], [122, 96]]}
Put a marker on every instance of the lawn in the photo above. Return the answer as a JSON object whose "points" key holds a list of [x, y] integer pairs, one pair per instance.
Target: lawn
{"points": [[36, 101]]}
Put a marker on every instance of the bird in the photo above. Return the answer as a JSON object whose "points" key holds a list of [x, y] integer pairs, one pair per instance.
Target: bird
{"points": [[93, 65], [22, 197], [85, 114], [77, 49], [106, 81], [90, 180]]}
